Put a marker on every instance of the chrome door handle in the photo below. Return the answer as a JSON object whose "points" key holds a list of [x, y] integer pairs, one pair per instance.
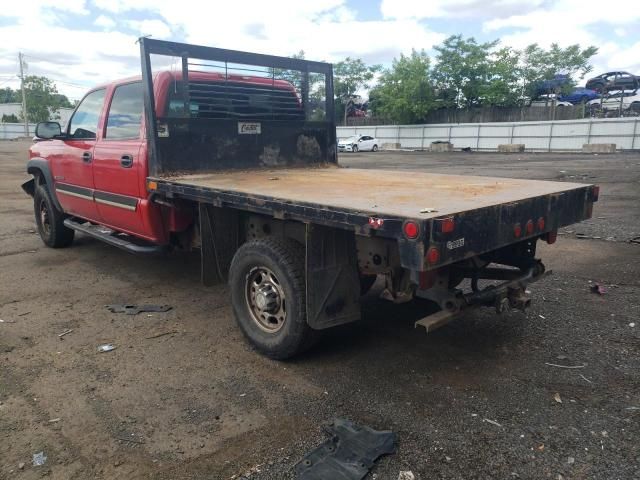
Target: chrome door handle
{"points": [[126, 161]]}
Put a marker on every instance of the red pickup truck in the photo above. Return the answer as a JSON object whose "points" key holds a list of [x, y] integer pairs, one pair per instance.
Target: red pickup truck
{"points": [[235, 154]]}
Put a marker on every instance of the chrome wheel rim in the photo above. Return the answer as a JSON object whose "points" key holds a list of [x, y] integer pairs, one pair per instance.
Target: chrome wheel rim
{"points": [[265, 299], [44, 218]]}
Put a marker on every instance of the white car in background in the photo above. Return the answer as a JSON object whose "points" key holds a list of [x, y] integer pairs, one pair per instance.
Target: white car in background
{"points": [[630, 100], [358, 143], [549, 101]]}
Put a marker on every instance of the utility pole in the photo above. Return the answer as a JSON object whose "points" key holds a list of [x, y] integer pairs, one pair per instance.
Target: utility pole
{"points": [[24, 98]]}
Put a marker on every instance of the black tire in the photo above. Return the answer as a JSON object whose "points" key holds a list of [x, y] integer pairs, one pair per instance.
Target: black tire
{"points": [[375, 148], [50, 220], [354, 148], [282, 262]]}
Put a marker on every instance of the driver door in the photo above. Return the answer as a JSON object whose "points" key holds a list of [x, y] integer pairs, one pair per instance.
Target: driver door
{"points": [[73, 161]]}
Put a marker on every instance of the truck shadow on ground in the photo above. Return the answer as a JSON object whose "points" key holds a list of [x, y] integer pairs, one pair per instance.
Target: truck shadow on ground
{"points": [[384, 325]]}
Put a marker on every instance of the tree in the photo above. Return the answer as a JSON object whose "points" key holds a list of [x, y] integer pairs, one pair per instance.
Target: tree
{"points": [[503, 87], [43, 99], [464, 70], [11, 118], [8, 95], [316, 86], [404, 93], [539, 65], [350, 76], [470, 74]]}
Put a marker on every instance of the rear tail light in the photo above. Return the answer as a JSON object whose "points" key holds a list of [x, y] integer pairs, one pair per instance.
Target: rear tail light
{"points": [[433, 255], [529, 227], [411, 230], [541, 223], [517, 230]]}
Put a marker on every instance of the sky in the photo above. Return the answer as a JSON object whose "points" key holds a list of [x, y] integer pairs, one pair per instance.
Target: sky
{"points": [[81, 43]]}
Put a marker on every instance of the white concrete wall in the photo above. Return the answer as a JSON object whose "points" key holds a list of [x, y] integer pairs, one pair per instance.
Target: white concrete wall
{"points": [[559, 135], [15, 130]]}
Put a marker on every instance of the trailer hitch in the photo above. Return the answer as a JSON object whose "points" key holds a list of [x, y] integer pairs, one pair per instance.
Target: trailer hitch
{"points": [[511, 294]]}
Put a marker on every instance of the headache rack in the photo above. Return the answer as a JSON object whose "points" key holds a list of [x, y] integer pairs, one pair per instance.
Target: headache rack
{"points": [[213, 109]]}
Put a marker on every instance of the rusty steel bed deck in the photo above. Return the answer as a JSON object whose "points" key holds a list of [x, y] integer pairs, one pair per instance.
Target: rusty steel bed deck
{"points": [[375, 192]]}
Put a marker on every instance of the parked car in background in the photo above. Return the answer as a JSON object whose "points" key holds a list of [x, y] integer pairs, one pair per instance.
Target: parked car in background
{"points": [[579, 95], [358, 143], [551, 86], [548, 101], [630, 101], [614, 81]]}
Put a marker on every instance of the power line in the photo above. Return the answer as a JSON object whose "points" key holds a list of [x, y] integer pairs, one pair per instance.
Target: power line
{"points": [[44, 59]]}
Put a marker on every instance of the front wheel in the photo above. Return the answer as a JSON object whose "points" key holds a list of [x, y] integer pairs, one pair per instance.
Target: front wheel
{"points": [[268, 294], [354, 149], [50, 220]]}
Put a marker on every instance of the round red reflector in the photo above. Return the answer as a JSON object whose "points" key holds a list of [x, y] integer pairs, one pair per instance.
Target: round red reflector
{"points": [[411, 230], [541, 223], [433, 255], [517, 230], [529, 227]]}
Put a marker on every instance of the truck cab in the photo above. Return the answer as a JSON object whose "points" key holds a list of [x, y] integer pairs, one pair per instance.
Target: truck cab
{"points": [[99, 165]]}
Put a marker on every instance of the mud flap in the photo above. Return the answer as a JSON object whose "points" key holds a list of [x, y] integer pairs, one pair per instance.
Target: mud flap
{"points": [[333, 284], [29, 187], [219, 232]]}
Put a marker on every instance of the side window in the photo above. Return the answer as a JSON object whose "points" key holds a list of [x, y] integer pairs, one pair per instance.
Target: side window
{"points": [[84, 122], [125, 113]]}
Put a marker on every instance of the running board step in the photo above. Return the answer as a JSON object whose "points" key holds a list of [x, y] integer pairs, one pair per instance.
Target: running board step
{"points": [[113, 238]]}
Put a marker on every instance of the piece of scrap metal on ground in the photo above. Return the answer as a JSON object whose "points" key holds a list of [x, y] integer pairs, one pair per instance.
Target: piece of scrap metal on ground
{"points": [[136, 309], [348, 454]]}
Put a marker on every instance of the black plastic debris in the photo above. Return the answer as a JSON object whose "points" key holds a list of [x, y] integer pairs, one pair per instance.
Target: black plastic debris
{"points": [[136, 309], [348, 454]]}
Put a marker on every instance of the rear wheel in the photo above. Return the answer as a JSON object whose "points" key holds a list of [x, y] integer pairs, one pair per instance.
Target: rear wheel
{"points": [[375, 148], [268, 293], [50, 220]]}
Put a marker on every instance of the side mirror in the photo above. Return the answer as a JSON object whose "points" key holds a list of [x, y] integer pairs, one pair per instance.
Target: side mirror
{"points": [[48, 130]]}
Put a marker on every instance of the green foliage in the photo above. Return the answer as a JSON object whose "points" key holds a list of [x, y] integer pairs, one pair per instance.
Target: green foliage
{"points": [[43, 99], [469, 74], [11, 118], [503, 88], [350, 76], [464, 70], [538, 64], [8, 95], [404, 93]]}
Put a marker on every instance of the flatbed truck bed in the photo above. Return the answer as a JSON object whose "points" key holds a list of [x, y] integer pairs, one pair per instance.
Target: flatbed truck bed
{"points": [[412, 195]]}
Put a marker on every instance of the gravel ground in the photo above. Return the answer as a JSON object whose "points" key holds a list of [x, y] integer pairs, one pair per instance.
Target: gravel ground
{"points": [[473, 400]]}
